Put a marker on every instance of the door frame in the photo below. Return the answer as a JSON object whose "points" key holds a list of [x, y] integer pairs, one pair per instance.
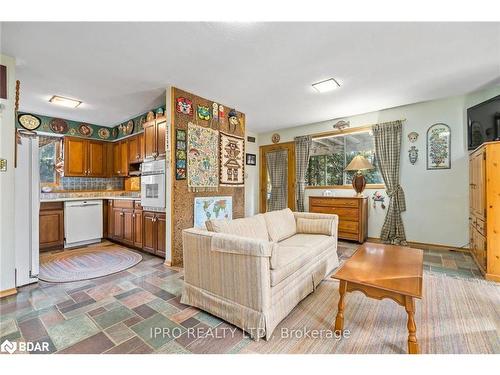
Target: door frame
{"points": [[263, 150]]}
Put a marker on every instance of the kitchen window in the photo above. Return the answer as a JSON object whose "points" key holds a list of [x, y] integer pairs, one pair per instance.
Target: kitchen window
{"points": [[332, 153]]}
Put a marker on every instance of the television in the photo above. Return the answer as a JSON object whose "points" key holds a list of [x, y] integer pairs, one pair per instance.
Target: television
{"points": [[483, 123]]}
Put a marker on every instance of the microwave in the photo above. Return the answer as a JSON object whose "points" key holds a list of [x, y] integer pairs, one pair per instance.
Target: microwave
{"points": [[153, 184]]}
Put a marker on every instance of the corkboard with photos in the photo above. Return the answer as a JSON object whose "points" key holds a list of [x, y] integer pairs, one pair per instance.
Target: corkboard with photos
{"points": [[190, 108]]}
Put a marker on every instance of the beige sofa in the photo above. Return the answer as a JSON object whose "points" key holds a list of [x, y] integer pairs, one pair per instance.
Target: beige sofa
{"points": [[253, 271]]}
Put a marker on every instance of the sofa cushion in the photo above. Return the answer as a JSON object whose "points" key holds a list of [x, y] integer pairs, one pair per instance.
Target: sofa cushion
{"points": [[252, 227], [280, 224], [315, 226], [295, 252]]}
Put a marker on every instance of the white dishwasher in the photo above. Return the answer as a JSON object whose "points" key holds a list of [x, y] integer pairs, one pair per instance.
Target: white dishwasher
{"points": [[82, 222]]}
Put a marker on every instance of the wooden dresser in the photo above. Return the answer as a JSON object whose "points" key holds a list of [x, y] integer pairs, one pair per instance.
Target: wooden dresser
{"points": [[484, 208], [352, 212]]}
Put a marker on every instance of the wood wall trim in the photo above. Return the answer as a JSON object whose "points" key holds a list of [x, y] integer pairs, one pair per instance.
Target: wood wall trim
{"points": [[8, 292], [426, 246]]}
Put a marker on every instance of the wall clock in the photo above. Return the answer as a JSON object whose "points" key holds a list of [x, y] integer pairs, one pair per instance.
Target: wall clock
{"points": [[29, 122]]}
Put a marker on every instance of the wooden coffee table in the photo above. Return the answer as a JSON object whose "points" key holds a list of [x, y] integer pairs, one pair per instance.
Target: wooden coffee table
{"points": [[384, 271]]}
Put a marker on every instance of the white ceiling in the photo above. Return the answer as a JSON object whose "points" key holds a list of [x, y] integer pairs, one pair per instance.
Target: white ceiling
{"points": [[265, 70]]}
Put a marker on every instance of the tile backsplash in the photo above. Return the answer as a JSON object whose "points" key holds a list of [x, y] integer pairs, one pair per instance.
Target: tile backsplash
{"points": [[90, 183]]}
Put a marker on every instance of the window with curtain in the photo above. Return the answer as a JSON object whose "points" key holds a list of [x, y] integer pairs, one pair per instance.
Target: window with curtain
{"points": [[330, 155]]}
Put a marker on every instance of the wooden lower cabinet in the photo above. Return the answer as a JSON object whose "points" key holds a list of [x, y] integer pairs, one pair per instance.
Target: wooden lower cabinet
{"points": [[51, 222], [138, 228], [154, 233], [128, 227]]}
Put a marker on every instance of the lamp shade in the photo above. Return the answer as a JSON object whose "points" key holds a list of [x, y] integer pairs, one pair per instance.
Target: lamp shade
{"points": [[359, 163]]}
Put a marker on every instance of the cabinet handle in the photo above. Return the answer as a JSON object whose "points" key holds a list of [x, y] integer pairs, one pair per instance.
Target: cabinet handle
{"points": [[133, 215], [138, 156], [121, 213]]}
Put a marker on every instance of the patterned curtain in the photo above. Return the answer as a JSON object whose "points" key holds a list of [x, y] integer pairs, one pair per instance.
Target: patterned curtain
{"points": [[277, 167], [302, 152], [388, 153]]}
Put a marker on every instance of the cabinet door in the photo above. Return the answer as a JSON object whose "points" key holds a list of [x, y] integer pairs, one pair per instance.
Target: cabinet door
{"points": [[51, 232], [128, 227], [117, 233], [124, 158], [110, 219], [105, 215], [140, 144], [161, 232], [96, 159], [148, 232], [133, 149], [138, 228], [75, 157], [150, 140], [161, 127], [116, 159]]}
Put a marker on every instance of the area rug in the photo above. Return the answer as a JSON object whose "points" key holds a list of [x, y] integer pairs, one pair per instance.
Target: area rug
{"points": [[86, 263], [455, 316]]}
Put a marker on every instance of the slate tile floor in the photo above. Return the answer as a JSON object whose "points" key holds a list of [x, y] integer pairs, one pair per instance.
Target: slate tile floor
{"points": [[115, 313]]}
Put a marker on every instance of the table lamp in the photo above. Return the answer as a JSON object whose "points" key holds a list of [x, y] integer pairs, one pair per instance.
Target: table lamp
{"points": [[359, 164]]}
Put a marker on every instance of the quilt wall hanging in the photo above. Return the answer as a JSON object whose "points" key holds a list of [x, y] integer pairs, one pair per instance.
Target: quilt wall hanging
{"points": [[232, 151], [202, 158]]}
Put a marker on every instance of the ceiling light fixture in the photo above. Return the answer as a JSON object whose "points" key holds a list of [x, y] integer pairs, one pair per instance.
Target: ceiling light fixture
{"points": [[65, 102], [326, 85]]}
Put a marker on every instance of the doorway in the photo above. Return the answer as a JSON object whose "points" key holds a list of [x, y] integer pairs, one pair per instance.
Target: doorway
{"points": [[277, 187]]}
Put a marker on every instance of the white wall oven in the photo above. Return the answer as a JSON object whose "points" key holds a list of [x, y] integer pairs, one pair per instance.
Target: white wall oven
{"points": [[153, 184]]}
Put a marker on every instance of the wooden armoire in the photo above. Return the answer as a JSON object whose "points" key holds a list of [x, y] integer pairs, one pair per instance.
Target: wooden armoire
{"points": [[484, 203]]}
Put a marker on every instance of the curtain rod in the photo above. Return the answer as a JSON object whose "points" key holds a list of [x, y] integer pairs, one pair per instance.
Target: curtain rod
{"points": [[355, 129]]}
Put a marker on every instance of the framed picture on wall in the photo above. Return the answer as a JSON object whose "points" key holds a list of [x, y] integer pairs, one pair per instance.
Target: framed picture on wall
{"points": [[251, 159], [439, 147]]}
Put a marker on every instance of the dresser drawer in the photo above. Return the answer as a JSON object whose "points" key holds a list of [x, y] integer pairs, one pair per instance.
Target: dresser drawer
{"points": [[349, 236], [350, 214], [335, 202], [349, 226]]}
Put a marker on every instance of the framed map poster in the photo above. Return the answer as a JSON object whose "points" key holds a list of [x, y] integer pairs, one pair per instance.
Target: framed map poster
{"points": [[209, 208], [439, 147]]}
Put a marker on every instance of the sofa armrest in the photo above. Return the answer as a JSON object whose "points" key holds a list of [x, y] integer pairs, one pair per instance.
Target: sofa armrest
{"points": [[314, 215], [229, 243], [233, 268]]}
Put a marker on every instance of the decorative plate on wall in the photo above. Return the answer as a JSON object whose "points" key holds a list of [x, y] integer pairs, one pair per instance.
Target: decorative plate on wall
{"points": [[150, 116], [103, 133], [141, 122], [59, 126], [85, 130], [29, 122], [275, 138]]}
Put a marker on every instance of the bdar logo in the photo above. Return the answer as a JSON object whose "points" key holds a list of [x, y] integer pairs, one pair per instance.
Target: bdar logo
{"points": [[8, 346]]}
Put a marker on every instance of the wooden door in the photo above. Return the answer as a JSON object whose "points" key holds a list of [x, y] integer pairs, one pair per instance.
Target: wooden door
{"points": [[161, 233], [75, 157], [117, 224], [128, 226], [96, 165], [108, 147], [140, 144], [149, 140], [148, 232], [161, 141], [105, 215], [124, 158], [289, 147], [138, 228], [110, 219], [51, 229]]}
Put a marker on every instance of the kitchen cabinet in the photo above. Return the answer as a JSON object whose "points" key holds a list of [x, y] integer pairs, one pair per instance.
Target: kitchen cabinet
{"points": [[155, 139], [51, 225], [154, 233], [125, 222], [135, 149], [138, 228], [120, 158], [128, 227], [84, 158]]}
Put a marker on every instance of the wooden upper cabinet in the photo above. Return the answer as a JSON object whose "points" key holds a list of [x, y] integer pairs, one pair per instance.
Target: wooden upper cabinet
{"points": [[155, 139], [150, 140], [96, 160], [124, 158], [135, 149], [161, 128], [75, 157]]}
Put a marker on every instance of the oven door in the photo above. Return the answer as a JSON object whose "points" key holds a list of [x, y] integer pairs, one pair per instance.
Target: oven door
{"points": [[153, 190]]}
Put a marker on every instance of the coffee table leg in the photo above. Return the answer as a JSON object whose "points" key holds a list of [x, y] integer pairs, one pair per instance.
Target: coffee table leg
{"points": [[339, 320], [413, 347]]}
